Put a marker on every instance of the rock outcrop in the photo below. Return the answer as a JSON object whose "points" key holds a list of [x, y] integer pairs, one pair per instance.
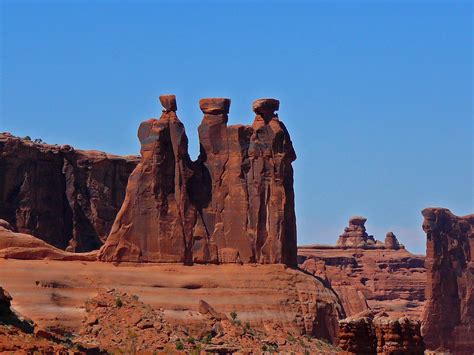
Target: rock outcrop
{"points": [[235, 204], [391, 242], [448, 316], [366, 333], [355, 235], [156, 220], [380, 276], [24, 246], [68, 198]]}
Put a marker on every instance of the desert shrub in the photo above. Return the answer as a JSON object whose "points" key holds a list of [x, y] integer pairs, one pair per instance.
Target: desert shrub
{"points": [[179, 345], [118, 302]]}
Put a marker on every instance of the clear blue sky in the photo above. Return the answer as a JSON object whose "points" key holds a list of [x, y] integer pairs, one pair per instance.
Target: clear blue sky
{"points": [[377, 97]]}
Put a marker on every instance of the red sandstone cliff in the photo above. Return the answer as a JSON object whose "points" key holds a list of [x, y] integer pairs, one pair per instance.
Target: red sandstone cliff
{"points": [[235, 204], [448, 316], [66, 197]]}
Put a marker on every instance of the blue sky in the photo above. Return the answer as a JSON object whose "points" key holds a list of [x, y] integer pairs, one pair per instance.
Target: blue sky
{"points": [[377, 96]]}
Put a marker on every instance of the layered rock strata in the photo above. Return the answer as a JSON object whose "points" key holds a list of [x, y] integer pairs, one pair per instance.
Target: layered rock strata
{"points": [[68, 198], [380, 276], [235, 204], [448, 316]]}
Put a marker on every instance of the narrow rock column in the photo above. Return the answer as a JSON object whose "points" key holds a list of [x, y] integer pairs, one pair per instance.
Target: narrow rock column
{"points": [[156, 219], [270, 186], [211, 165]]}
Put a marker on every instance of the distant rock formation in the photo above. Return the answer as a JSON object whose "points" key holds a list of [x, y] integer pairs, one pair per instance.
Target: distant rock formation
{"points": [[368, 274], [355, 235], [235, 204], [391, 242], [448, 315], [381, 279], [366, 333], [68, 198]]}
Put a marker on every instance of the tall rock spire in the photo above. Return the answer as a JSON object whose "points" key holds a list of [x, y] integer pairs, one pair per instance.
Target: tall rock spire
{"points": [[156, 219], [235, 204]]}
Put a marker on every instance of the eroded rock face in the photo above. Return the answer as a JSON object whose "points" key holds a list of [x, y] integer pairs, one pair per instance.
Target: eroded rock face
{"points": [[355, 235], [156, 219], [448, 316], [366, 333], [235, 204], [68, 198], [382, 279], [391, 242]]}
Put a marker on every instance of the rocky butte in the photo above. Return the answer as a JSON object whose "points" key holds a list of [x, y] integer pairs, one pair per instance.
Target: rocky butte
{"points": [[235, 204], [448, 317]]}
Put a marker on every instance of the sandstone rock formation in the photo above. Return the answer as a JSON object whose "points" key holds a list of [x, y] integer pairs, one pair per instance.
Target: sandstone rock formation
{"points": [[448, 316], [366, 333], [391, 242], [24, 246], [355, 235], [368, 274], [66, 197], [235, 204], [156, 220]]}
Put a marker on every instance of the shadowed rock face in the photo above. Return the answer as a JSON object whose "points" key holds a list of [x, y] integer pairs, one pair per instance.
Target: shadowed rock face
{"points": [[235, 204], [448, 316], [68, 198]]}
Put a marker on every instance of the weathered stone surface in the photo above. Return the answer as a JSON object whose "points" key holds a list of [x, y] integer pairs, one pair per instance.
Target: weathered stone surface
{"points": [[215, 106], [357, 334], [391, 242], [235, 204], [384, 279], [448, 316], [265, 106], [355, 235], [68, 198], [398, 335], [156, 220], [24, 246], [168, 102], [366, 333]]}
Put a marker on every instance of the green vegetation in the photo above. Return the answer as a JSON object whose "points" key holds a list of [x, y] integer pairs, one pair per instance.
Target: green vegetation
{"points": [[118, 302], [179, 345]]}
